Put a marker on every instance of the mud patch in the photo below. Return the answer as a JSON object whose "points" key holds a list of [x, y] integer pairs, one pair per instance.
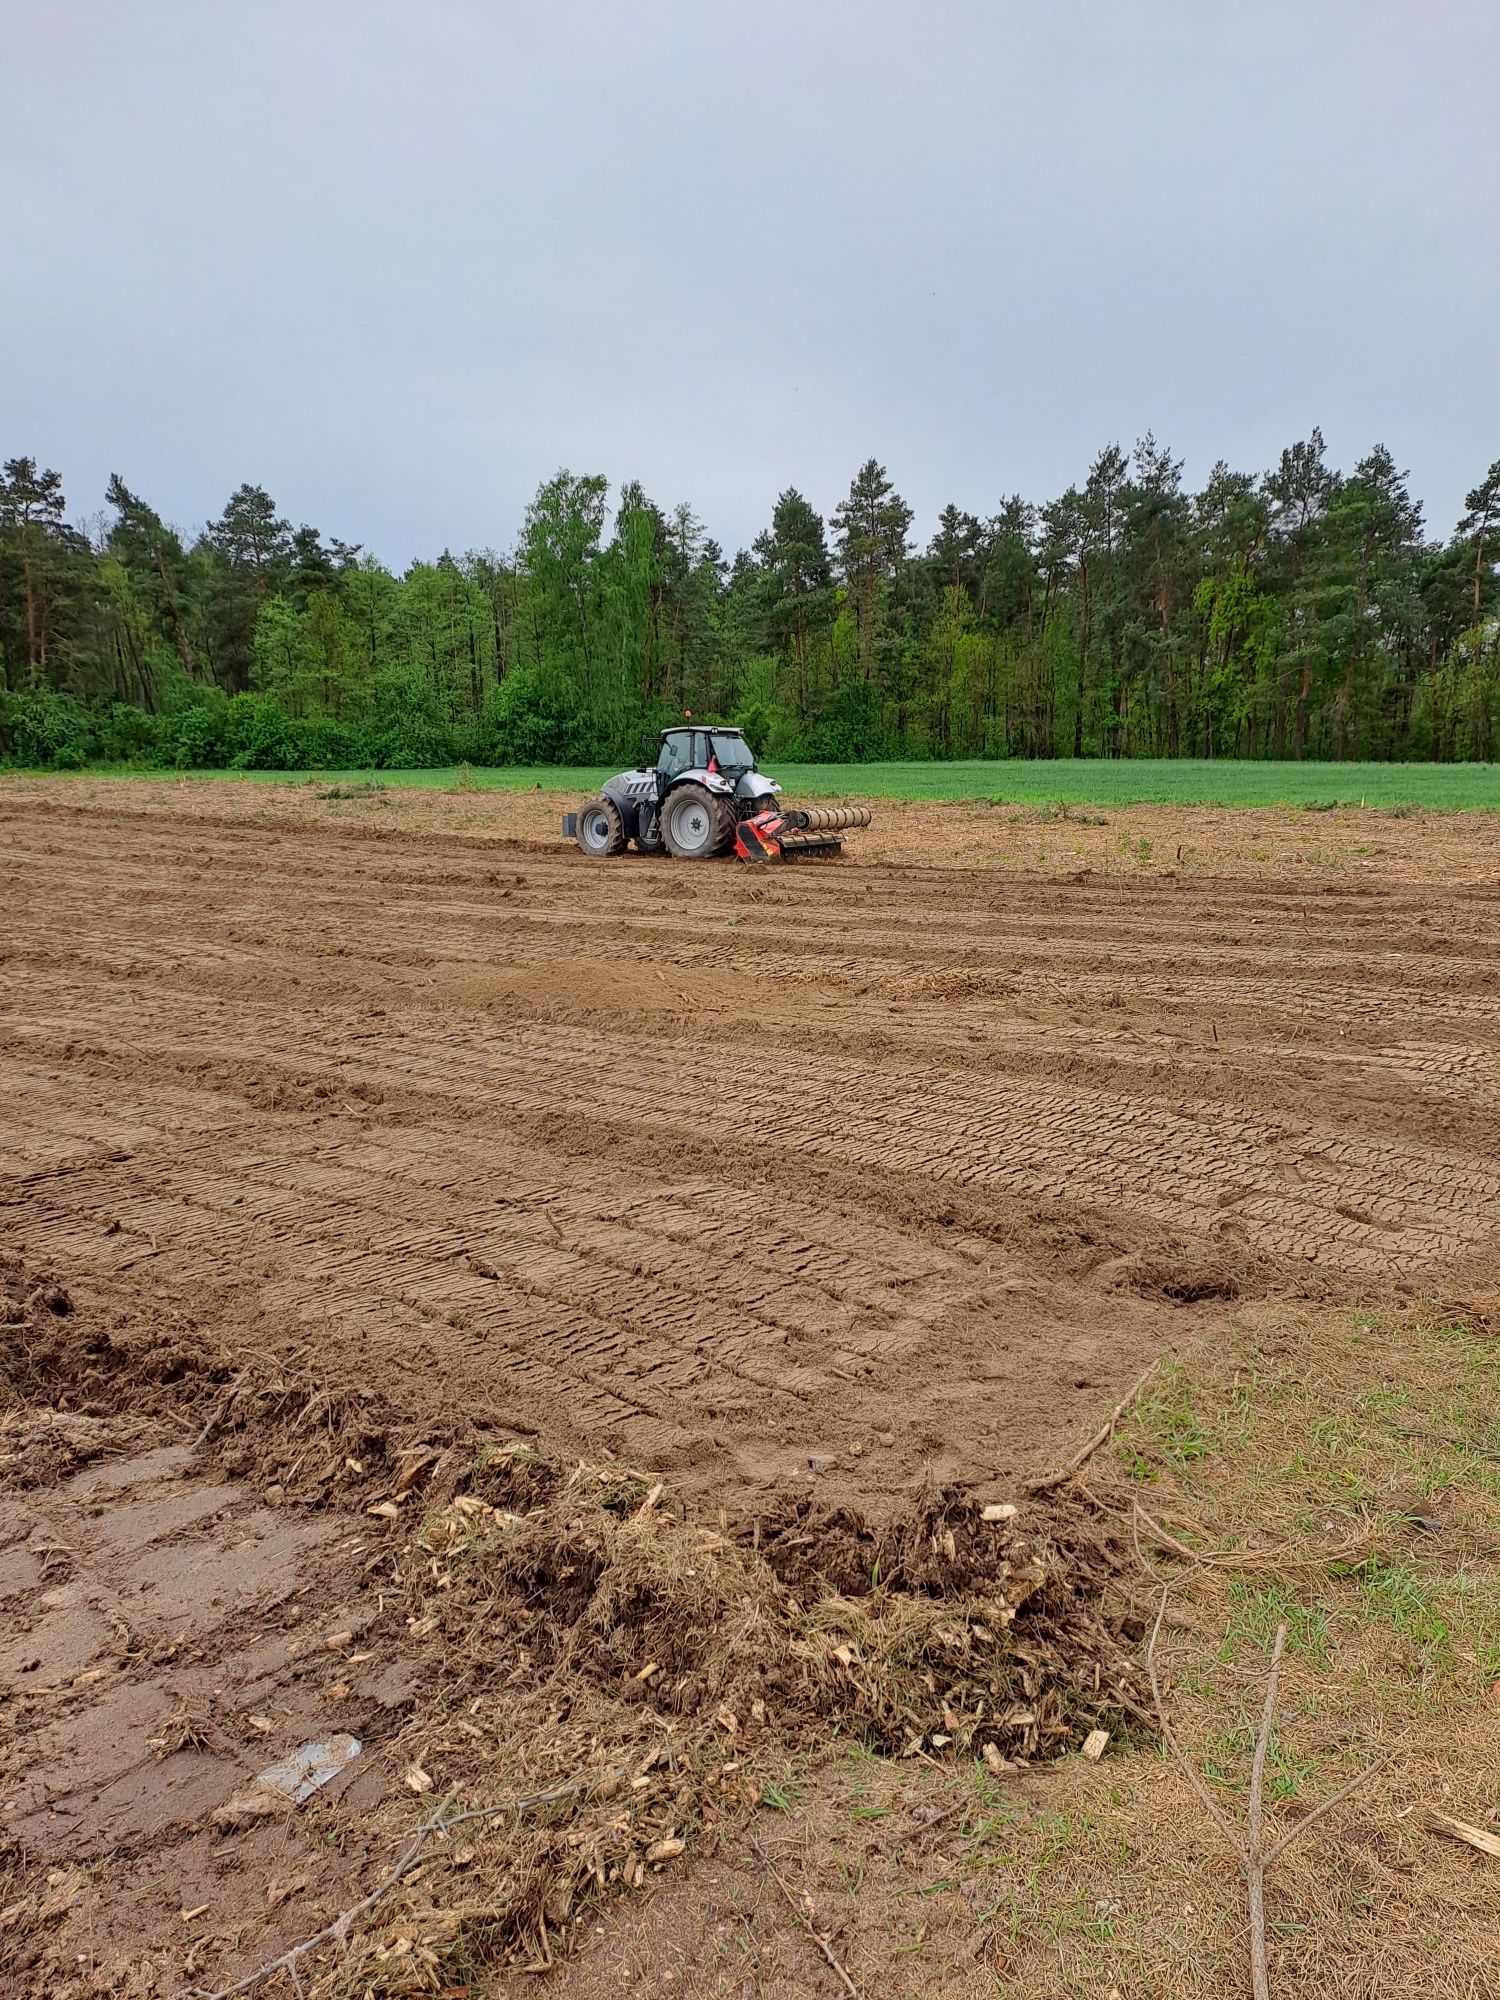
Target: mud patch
{"points": [[493, 1626]]}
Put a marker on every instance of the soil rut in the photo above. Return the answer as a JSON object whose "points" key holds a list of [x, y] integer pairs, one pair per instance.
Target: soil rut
{"points": [[844, 1178]]}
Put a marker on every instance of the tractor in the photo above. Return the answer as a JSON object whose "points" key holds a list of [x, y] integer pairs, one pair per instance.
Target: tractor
{"points": [[704, 797]]}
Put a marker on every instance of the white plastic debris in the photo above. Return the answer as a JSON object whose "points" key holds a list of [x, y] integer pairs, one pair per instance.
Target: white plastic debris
{"points": [[291, 1781]]}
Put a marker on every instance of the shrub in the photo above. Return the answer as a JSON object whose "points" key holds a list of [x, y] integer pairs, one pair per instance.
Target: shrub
{"points": [[46, 727], [126, 735], [407, 730], [194, 738], [847, 731], [534, 717]]}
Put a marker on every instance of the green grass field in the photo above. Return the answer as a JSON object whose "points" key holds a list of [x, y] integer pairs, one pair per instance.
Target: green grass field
{"points": [[1437, 787]]}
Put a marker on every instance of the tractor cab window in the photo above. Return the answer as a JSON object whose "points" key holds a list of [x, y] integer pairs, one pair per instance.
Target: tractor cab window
{"points": [[676, 753], [731, 753]]}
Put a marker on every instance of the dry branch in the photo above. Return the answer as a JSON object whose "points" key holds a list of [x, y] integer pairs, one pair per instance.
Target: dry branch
{"points": [[1254, 1855], [1101, 1436], [805, 1920], [441, 1824], [1460, 1829]]}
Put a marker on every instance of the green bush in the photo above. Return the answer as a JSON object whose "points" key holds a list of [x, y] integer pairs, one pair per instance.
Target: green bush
{"points": [[126, 735], [260, 736], [45, 727], [194, 738], [847, 731], [535, 717], [407, 730]]}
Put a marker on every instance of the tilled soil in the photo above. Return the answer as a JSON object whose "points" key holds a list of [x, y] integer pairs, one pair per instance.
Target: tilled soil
{"points": [[837, 1180], [338, 1148]]}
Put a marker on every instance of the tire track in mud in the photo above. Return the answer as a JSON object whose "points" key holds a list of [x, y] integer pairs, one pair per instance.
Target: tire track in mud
{"points": [[559, 1144]]}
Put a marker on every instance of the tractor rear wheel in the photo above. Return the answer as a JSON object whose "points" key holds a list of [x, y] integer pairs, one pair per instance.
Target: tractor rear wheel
{"points": [[601, 830], [696, 823]]}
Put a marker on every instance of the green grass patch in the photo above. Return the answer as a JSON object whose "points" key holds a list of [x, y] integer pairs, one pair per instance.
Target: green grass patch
{"points": [[1401, 789]]}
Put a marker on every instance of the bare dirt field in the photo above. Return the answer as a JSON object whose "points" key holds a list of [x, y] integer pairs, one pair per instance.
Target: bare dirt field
{"points": [[811, 1192], [751, 1177]]}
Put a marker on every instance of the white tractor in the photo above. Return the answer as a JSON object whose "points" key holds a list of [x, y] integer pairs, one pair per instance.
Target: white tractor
{"points": [[704, 797]]}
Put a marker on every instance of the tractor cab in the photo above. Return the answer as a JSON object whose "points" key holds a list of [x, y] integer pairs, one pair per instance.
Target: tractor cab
{"points": [[723, 752]]}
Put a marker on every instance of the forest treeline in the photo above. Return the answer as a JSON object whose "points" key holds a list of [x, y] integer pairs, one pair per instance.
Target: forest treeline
{"points": [[1301, 612]]}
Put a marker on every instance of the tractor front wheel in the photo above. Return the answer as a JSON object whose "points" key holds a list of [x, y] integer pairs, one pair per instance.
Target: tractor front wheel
{"points": [[601, 830], [696, 823]]}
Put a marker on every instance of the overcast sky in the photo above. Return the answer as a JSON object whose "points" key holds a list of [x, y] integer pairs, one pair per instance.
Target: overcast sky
{"points": [[398, 262]]}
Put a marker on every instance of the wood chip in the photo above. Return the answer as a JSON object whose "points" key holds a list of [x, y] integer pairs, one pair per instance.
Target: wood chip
{"points": [[417, 1779], [191, 1916], [337, 1641], [1460, 1829], [665, 1850], [1001, 1510], [1095, 1744], [386, 1509], [413, 1466]]}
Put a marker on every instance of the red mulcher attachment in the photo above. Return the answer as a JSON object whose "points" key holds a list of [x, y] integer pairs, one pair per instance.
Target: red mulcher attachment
{"points": [[796, 835]]}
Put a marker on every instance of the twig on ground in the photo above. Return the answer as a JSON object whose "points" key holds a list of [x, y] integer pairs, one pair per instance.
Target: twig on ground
{"points": [[1460, 1829], [804, 1919], [1253, 1853], [1065, 1472], [440, 1823]]}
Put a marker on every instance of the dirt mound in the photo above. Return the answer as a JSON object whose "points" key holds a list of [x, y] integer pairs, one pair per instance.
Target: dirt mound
{"points": [[570, 1636]]}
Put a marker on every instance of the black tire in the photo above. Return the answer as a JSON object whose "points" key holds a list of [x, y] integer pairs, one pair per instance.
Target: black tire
{"points": [[696, 823], [601, 831], [648, 831]]}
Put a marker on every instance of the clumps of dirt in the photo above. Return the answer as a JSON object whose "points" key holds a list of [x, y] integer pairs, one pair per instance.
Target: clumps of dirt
{"points": [[1182, 1281], [1186, 1274], [587, 1647], [37, 1335], [641, 1675], [77, 1382]]}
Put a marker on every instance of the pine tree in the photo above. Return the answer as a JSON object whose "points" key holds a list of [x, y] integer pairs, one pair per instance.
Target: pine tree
{"points": [[870, 534], [795, 582]]}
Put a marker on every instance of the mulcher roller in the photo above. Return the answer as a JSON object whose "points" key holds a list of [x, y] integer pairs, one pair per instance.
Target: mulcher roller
{"points": [[798, 833], [826, 819]]}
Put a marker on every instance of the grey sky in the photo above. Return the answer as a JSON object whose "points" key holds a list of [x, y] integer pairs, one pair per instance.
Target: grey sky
{"points": [[398, 262]]}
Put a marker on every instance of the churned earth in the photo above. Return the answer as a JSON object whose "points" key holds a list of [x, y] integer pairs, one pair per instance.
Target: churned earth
{"points": [[849, 1174], [810, 1191]]}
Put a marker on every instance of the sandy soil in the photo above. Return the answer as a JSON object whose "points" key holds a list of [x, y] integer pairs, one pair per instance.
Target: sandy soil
{"points": [[849, 1175], [822, 1185], [1297, 844]]}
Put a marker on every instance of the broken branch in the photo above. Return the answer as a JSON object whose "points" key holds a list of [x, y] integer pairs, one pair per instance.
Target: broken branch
{"points": [[1106, 1430], [442, 1824], [805, 1920]]}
